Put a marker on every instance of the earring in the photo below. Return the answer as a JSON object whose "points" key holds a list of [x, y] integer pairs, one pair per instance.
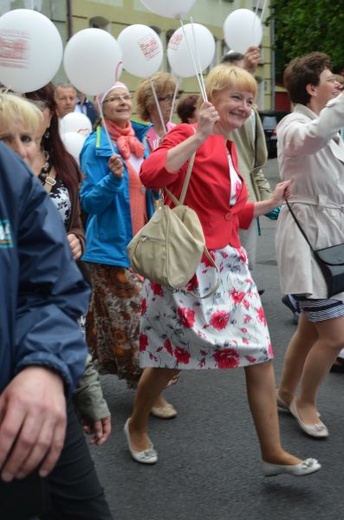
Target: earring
{"points": [[47, 133]]}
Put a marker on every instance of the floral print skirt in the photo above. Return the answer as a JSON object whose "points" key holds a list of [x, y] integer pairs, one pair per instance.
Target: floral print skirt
{"points": [[112, 321], [226, 330]]}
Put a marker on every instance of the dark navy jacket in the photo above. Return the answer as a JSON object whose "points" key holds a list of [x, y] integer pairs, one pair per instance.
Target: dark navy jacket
{"points": [[91, 112], [42, 292]]}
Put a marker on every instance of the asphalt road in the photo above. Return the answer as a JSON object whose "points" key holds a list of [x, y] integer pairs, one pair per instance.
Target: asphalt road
{"points": [[209, 464]]}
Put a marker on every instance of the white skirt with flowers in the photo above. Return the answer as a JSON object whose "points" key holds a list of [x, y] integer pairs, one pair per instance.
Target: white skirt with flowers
{"points": [[226, 330]]}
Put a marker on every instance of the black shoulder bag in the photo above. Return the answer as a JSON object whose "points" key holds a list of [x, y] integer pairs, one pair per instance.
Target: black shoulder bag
{"points": [[330, 260]]}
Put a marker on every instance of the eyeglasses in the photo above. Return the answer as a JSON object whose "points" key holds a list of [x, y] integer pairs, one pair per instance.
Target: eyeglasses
{"points": [[117, 98], [168, 98]]}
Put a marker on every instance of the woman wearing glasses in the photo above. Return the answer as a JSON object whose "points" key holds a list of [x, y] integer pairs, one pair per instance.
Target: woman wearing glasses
{"points": [[117, 206], [154, 103]]}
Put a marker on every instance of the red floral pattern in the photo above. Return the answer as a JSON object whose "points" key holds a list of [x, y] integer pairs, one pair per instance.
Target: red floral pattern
{"points": [[187, 317], [205, 260], [143, 342], [192, 284], [219, 320], [182, 357], [227, 358], [261, 315], [157, 289], [226, 330]]}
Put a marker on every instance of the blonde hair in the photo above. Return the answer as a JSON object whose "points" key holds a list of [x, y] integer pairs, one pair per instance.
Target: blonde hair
{"points": [[164, 84], [13, 106], [225, 76]]}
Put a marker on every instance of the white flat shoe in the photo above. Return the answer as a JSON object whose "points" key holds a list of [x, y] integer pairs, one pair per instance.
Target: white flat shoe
{"points": [[318, 430], [306, 467], [149, 456], [282, 405], [164, 412]]}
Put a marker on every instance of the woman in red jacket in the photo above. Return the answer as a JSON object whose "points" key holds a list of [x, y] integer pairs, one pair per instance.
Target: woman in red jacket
{"points": [[227, 329]]}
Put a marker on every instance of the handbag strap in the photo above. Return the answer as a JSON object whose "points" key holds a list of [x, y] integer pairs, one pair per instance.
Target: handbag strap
{"points": [[179, 202], [174, 199], [255, 129], [50, 181], [299, 226]]}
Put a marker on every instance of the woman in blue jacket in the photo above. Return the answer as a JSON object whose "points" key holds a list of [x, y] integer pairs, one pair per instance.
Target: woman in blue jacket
{"points": [[117, 206], [42, 356]]}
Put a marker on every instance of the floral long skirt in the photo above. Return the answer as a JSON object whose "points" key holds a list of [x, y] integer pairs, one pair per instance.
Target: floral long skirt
{"points": [[112, 321], [226, 330]]}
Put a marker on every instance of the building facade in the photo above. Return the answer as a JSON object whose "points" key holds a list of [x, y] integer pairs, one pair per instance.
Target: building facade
{"points": [[71, 16]]}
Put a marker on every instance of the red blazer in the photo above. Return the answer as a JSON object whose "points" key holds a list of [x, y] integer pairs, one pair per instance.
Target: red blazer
{"points": [[209, 188]]}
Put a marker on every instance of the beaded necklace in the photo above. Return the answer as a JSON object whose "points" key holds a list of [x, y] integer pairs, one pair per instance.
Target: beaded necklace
{"points": [[44, 176], [47, 180]]}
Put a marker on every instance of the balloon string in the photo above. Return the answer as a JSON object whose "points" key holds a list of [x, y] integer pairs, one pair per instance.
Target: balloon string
{"points": [[263, 10], [205, 98], [158, 107], [198, 75], [118, 70], [105, 128], [174, 99], [257, 7]]}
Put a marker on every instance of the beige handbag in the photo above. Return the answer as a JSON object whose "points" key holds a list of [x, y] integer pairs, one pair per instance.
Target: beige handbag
{"points": [[169, 248]]}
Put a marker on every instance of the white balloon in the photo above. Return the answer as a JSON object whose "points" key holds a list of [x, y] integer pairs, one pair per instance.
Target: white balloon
{"points": [[242, 28], [92, 61], [142, 50], [202, 44], [73, 143], [169, 8], [76, 122], [31, 50]]}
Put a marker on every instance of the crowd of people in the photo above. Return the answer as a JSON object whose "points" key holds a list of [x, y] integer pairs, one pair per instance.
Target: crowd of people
{"points": [[65, 229]]}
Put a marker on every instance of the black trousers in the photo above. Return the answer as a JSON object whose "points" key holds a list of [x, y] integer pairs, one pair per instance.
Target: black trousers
{"points": [[71, 492]]}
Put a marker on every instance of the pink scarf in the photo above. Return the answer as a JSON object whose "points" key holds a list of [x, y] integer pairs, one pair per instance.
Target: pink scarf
{"points": [[126, 141]]}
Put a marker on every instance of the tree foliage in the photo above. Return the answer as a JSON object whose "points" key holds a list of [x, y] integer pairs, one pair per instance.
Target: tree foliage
{"points": [[304, 26]]}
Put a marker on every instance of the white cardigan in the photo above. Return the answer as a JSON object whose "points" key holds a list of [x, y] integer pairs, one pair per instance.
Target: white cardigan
{"points": [[311, 153]]}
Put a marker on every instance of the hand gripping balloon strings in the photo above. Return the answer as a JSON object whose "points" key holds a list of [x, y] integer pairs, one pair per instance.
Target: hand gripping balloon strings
{"points": [[174, 99], [198, 70]]}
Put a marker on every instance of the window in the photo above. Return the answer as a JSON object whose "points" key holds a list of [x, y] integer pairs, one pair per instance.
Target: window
{"points": [[99, 22]]}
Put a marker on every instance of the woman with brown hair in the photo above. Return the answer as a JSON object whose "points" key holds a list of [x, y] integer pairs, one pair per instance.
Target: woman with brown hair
{"points": [[187, 109], [58, 170], [154, 103], [311, 155]]}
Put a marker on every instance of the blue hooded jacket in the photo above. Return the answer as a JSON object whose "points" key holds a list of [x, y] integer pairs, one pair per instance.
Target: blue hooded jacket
{"points": [[106, 200], [42, 291]]}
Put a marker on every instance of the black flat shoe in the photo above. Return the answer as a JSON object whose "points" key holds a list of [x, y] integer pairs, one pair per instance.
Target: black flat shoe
{"points": [[338, 366]]}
